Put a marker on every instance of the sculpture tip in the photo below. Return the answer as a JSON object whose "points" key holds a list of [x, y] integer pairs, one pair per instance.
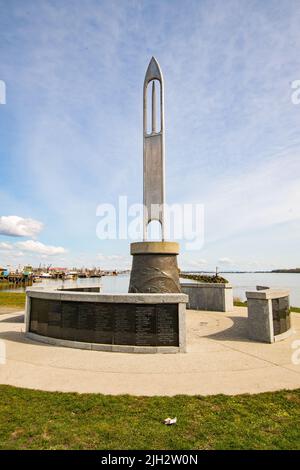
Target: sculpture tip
{"points": [[153, 71]]}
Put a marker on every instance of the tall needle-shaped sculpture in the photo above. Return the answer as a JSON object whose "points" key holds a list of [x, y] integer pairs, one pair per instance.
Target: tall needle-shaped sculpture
{"points": [[154, 154], [154, 266]]}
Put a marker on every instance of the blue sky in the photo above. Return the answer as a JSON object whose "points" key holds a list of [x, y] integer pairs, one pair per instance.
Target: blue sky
{"points": [[71, 128]]}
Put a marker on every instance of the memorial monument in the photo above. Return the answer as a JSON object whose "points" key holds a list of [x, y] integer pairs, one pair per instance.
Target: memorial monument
{"points": [[154, 265], [151, 317]]}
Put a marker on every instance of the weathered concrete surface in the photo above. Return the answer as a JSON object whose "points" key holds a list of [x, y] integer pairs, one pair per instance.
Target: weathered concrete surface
{"points": [[212, 296], [260, 325], [219, 359], [6, 310]]}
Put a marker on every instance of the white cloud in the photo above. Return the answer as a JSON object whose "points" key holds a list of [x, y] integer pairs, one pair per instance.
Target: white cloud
{"points": [[199, 262], [38, 247], [188, 262], [225, 261], [6, 246], [15, 226]]}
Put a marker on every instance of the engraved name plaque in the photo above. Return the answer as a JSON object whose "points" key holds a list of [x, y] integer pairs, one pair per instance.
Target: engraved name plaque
{"points": [[106, 323], [281, 315]]}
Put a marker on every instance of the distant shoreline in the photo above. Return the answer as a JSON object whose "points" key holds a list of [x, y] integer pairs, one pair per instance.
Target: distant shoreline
{"points": [[274, 271]]}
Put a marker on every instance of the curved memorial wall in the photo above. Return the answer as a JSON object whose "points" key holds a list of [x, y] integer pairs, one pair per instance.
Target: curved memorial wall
{"points": [[118, 322]]}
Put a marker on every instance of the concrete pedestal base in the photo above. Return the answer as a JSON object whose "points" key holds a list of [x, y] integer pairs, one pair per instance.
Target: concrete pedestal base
{"points": [[209, 296], [269, 315], [154, 267]]}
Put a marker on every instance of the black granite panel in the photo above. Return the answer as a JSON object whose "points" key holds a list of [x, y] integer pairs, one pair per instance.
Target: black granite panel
{"points": [[110, 323], [40, 307], [124, 327], [145, 325], [104, 323], [281, 315], [85, 323], [69, 320], [167, 325], [33, 321], [54, 319]]}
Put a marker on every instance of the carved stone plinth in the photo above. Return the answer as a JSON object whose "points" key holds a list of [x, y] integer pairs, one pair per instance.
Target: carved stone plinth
{"points": [[154, 267]]}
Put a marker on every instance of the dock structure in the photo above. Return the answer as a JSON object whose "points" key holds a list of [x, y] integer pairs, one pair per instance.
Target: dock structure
{"points": [[17, 279]]}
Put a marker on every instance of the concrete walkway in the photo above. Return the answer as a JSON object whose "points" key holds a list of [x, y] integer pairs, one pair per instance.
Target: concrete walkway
{"points": [[219, 360]]}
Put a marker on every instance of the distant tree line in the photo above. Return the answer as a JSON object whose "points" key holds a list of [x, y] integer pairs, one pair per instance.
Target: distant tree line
{"points": [[292, 270]]}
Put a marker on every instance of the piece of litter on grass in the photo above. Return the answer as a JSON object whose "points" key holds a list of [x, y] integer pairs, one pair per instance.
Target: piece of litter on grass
{"points": [[169, 421]]}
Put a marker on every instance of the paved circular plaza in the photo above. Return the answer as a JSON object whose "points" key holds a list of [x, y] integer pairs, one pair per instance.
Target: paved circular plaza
{"points": [[219, 359]]}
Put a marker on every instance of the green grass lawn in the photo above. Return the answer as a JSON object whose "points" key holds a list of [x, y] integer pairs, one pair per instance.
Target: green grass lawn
{"points": [[12, 299], [44, 420], [239, 303], [4, 284]]}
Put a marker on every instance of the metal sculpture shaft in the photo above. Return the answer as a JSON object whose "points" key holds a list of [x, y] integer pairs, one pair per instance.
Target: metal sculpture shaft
{"points": [[154, 165], [154, 264]]}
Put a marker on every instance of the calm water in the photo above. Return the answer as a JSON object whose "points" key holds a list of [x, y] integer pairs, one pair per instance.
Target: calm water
{"points": [[240, 282], [248, 281]]}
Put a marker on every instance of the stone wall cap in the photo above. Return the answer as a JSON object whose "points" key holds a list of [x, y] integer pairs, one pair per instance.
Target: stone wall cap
{"points": [[117, 298], [268, 294], [224, 285]]}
